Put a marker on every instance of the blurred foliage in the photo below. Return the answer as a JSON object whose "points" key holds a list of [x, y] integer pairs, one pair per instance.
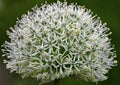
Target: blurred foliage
{"points": [[107, 10]]}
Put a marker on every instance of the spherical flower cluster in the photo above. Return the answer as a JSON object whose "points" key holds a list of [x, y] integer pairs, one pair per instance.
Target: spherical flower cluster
{"points": [[60, 40]]}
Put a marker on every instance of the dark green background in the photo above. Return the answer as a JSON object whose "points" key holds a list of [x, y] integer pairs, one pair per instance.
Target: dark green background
{"points": [[108, 10]]}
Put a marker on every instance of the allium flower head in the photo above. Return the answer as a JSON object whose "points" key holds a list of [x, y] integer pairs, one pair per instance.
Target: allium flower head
{"points": [[59, 40]]}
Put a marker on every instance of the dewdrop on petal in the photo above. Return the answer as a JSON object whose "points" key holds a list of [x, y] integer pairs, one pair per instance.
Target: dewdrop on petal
{"points": [[60, 40]]}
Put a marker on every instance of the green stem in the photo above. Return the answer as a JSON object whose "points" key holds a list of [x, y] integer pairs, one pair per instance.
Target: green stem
{"points": [[56, 82]]}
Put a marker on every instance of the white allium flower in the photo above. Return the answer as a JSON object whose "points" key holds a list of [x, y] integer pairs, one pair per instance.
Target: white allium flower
{"points": [[59, 40]]}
